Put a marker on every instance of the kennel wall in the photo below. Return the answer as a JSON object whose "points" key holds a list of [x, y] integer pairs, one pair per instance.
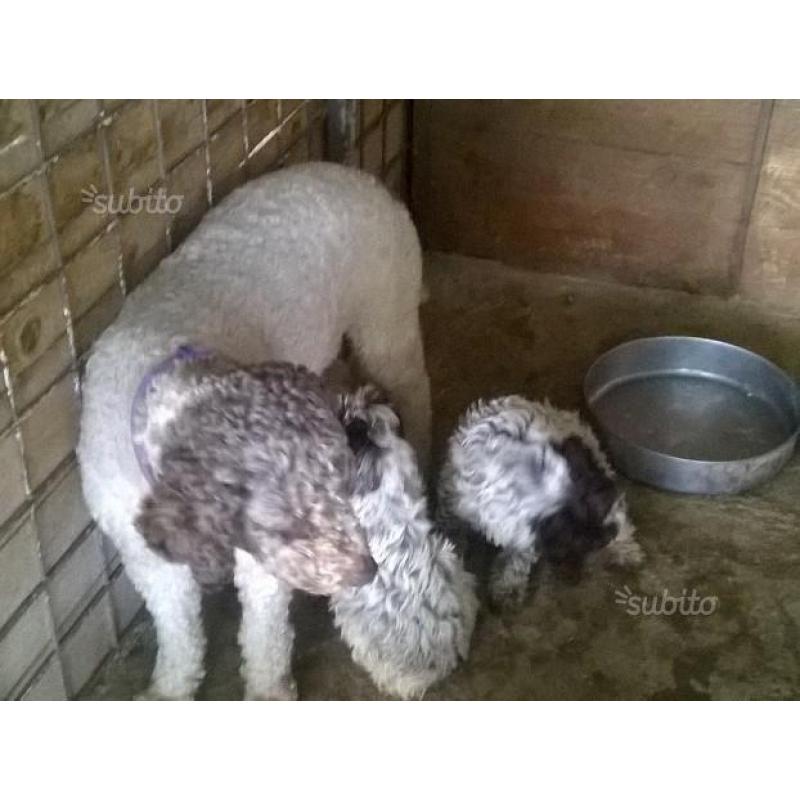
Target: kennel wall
{"points": [[68, 257], [698, 195]]}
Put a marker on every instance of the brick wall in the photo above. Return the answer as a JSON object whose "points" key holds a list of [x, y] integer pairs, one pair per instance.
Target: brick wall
{"points": [[68, 257]]}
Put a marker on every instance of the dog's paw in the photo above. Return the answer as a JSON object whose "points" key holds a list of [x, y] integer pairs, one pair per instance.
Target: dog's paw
{"points": [[286, 690], [627, 553]]}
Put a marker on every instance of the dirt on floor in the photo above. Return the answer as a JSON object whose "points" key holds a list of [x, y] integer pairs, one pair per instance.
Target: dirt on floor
{"points": [[492, 330]]}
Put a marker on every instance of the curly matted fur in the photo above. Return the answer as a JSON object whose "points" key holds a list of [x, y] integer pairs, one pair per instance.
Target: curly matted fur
{"points": [[412, 624], [535, 482], [256, 459], [281, 270]]}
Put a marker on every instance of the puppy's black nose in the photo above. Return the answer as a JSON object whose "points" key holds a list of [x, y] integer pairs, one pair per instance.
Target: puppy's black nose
{"points": [[357, 434]]}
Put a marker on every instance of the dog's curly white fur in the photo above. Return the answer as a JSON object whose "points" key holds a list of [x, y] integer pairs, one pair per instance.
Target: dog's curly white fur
{"points": [[533, 480], [410, 626], [281, 270]]}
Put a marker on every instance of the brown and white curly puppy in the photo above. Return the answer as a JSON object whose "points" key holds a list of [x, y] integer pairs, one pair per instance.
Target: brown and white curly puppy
{"points": [[251, 472]]}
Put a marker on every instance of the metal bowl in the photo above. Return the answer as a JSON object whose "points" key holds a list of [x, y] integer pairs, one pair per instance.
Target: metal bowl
{"points": [[693, 415]]}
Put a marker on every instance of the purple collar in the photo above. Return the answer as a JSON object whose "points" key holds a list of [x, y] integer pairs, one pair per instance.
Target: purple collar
{"points": [[185, 353]]}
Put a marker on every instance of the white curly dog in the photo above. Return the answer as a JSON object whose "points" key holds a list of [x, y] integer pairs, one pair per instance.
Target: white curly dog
{"points": [[282, 270]]}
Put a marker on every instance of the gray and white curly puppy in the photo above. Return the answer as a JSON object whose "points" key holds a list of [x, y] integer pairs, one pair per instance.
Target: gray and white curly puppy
{"points": [[534, 481], [251, 472], [412, 624]]}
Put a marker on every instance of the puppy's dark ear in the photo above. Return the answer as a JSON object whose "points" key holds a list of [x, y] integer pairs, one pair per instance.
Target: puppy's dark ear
{"points": [[357, 432], [594, 492], [577, 454]]}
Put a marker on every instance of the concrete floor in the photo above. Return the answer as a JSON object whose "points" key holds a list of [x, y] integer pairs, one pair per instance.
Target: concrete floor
{"points": [[491, 330]]}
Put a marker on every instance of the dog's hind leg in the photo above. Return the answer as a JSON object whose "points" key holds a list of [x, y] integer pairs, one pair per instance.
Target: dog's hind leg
{"points": [[266, 636], [173, 598]]}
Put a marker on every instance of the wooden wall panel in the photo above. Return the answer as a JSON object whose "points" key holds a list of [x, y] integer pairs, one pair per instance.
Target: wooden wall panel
{"points": [[649, 193], [716, 130], [772, 257]]}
